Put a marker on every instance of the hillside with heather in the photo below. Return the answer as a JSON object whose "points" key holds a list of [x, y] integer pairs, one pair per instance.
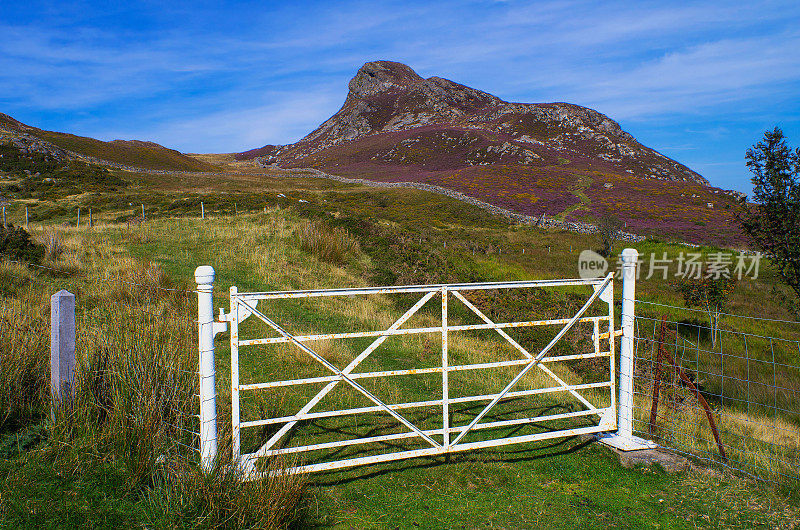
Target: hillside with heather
{"points": [[557, 159]]}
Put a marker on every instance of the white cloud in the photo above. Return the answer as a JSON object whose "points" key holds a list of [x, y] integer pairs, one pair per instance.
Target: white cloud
{"points": [[287, 118]]}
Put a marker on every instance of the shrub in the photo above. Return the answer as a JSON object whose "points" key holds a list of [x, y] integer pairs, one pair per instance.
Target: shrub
{"points": [[16, 244]]}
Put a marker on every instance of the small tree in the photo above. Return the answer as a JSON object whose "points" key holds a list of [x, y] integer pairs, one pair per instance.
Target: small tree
{"points": [[610, 229], [711, 294], [772, 221]]}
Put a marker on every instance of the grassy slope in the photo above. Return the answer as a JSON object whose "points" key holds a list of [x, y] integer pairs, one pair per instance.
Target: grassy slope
{"points": [[546, 484], [137, 154]]}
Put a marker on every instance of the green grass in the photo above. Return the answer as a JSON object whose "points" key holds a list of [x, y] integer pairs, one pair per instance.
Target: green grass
{"points": [[390, 235], [561, 484], [136, 154]]}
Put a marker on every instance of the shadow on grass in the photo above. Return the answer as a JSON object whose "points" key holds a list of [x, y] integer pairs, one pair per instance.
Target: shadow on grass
{"points": [[560, 447]]}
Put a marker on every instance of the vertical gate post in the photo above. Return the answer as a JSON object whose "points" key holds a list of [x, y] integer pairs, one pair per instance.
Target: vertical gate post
{"points": [[62, 349], [445, 382], [625, 422], [204, 276], [235, 424], [624, 438]]}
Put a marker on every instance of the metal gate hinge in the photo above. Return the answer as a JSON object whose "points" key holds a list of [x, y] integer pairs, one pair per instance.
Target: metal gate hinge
{"points": [[221, 324], [219, 327]]}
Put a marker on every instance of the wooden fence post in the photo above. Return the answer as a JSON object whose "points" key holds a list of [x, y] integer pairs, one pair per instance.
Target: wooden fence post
{"points": [[26, 218], [78, 222], [202, 210], [62, 349], [4, 217], [91, 221], [143, 217]]}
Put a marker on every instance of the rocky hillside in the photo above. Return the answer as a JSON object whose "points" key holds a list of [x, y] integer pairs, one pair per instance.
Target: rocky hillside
{"points": [[555, 158], [120, 153]]}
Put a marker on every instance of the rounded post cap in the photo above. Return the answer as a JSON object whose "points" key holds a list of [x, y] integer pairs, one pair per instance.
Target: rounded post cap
{"points": [[204, 275], [629, 255]]}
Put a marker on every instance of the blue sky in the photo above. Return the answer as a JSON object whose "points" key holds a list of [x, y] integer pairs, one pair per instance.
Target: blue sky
{"points": [[699, 82]]}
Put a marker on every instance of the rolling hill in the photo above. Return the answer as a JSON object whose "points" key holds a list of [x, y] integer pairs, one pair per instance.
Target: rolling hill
{"points": [[133, 153]]}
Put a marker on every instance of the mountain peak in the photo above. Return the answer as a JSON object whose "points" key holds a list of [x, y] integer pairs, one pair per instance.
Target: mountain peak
{"points": [[382, 76], [394, 121]]}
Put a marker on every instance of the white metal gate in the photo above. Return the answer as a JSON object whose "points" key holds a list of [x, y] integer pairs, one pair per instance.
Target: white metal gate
{"points": [[444, 439]]}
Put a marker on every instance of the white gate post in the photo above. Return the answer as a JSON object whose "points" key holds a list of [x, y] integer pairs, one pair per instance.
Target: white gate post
{"points": [[204, 276], [624, 438]]}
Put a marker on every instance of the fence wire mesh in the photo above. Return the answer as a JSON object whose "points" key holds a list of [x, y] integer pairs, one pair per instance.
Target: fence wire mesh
{"points": [[726, 395]]}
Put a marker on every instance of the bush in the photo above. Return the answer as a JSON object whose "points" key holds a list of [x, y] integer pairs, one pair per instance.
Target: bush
{"points": [[16, 244]]}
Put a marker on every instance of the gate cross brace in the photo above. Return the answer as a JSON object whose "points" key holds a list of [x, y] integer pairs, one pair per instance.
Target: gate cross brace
{"points": [[535, 361], [523, 351], [341, 373]]}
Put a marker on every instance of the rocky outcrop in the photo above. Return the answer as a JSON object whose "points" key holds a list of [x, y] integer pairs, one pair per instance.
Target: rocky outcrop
{"points": [[31, 144]]}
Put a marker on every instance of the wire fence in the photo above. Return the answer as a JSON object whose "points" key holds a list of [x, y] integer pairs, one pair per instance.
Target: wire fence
{"points": [[725, 395], [136, 362]]}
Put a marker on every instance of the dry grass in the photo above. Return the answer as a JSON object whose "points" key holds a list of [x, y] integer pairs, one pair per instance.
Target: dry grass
{"points": [[24, 368], [332, 245], [763, 446], [53, 242]]}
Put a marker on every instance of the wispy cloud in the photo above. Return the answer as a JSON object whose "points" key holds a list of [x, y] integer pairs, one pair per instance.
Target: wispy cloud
{"points": [[202, 77]]}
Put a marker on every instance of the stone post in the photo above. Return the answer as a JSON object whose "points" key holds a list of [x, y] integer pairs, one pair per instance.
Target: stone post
{"points": [[62, 349]]}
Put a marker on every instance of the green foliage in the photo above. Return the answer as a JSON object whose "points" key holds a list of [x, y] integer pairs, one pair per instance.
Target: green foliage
{"points": [[610, 227], [773, 221], [16, 244], [712, 294]]}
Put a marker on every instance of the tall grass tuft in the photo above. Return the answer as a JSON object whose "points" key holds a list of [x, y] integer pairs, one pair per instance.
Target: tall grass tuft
{"points": [[53, 242], [24, 368], [221, 499], [333, 245]]}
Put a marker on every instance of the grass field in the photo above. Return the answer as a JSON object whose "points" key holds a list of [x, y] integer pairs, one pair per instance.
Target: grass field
{"points": [[341, 235]]}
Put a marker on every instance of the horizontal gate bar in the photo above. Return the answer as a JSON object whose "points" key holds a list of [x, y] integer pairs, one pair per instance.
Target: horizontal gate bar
{"points": [[429, 432], [413, 331], [419, 404], [433, 451], [272, 295], [418, 371]]}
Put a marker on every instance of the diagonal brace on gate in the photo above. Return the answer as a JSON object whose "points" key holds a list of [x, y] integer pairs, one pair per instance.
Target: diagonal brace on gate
{"points": [[343, 374], [522, 350], [535, 361]]}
